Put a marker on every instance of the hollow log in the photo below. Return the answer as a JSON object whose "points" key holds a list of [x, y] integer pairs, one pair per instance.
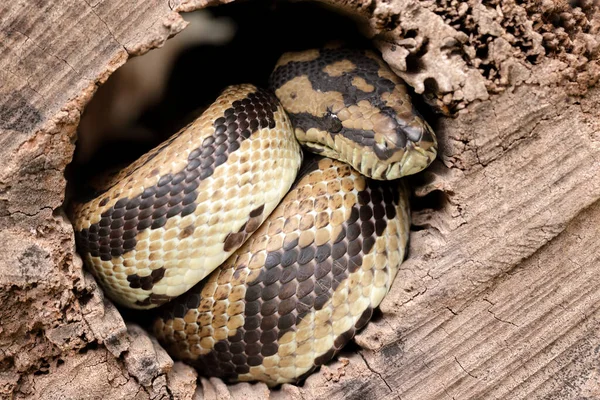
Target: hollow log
{"points": [[499, 296]]}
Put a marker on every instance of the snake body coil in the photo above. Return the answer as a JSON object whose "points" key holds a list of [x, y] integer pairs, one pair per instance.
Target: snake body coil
{"points": [[300, 287], [293, 293], [176, 214]]}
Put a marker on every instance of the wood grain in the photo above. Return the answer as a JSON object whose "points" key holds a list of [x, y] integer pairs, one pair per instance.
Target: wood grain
{"points": [[499, 298]]}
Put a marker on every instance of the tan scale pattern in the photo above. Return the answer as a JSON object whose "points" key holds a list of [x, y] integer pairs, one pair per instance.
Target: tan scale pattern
{"points": [[339, 68], [361, 84], [307, 55], [296, 291], [187, 248], [301, 98]]}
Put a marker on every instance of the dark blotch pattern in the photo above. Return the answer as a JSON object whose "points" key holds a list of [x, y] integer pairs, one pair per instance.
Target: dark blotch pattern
{"points": [[146, 282], [176, 193], [154, 298], [366, 68], [294, 281], [235, 239], [306, 121]]}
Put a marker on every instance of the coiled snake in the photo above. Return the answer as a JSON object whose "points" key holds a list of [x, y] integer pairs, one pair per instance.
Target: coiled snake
{"points": [[297, 276]]}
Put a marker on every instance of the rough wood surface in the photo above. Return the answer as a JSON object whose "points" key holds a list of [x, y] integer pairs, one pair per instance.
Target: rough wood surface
{"points": [[499, 298]]}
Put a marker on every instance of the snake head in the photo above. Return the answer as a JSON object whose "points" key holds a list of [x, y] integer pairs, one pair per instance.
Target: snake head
{"points": [[347, 104]]}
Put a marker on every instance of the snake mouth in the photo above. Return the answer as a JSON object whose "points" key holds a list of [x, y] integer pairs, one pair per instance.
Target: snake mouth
{"points": [[406, 149], [415, 159], [408, 160], [420, 150]]}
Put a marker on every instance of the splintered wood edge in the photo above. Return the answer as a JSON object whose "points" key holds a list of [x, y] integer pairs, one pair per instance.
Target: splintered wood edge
{"points": [[498, 297]]}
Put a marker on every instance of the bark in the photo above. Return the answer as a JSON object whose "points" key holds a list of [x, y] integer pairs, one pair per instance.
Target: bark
{"points": [[498, 298]]}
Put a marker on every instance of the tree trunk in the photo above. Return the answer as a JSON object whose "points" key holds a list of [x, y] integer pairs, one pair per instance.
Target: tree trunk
{"points": [[499, 296]]}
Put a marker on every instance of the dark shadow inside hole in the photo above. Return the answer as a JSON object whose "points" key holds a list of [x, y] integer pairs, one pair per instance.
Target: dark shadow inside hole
{"points": [[263, 31], [377, 315], [351, 347], [555, 20], [413, 61], [421, 179], [488, 70], [417, 228], [436, 200], [144, 318], [431, 85], [7, 363], [532, 58], [411, 33], [482, 52], [431, 92], [89, 346], [44, 369]]}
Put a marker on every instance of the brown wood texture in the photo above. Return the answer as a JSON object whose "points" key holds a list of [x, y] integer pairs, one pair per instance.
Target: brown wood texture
{"points": [[499, 297]]}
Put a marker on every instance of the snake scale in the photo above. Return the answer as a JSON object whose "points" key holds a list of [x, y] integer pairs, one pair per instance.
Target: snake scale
{"points": [[293, 279]]}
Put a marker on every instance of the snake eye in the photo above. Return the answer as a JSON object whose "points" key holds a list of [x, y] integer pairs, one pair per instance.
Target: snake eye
{"points": [[334, 123]]}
